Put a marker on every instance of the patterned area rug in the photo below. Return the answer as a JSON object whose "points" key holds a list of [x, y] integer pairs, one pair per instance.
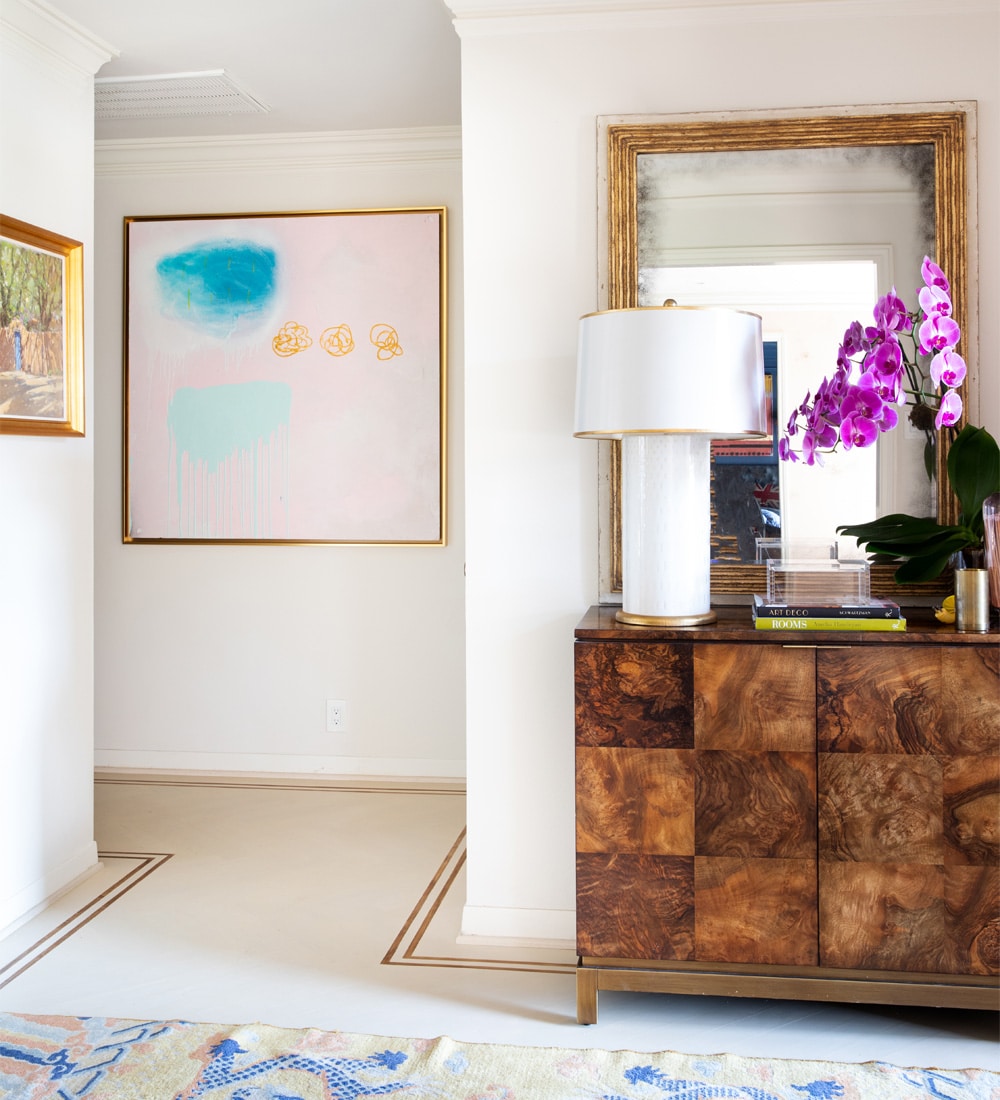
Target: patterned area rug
{"points": [[64, 1057]]}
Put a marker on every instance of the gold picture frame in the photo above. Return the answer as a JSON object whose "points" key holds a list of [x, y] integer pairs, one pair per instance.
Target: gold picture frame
{"points": [[285, 378], [41, 331], [944, 129]]}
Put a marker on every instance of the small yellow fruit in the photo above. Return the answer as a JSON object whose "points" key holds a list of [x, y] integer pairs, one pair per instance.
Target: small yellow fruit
{"points": [[946, 612]]}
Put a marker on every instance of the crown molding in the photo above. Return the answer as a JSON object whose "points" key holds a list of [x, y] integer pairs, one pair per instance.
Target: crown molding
{"points": [[48, 36], [400, 148], [475, 18]]}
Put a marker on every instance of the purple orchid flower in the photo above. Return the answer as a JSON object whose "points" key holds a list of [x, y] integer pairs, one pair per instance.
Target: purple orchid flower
{"points": [[875, 372], [891, 315], [886, 358], [933, 275], [839, 383], [858, 431], [889, 419], [948, 368], [785, 452], [854, 340], [950, 411], [937, 333], [888, 386], [811, 455], [861, 401], [823, 432], [933, 299]]}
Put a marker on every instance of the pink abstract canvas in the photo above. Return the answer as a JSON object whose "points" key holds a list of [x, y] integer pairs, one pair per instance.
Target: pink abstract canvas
{"points": [[284, 378]]}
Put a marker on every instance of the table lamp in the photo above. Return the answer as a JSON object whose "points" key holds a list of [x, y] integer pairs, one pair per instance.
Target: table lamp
{"points": [[666, 381]]}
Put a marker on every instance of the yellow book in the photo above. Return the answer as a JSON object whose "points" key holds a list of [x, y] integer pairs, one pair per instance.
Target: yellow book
{"points": [[809, 623]]}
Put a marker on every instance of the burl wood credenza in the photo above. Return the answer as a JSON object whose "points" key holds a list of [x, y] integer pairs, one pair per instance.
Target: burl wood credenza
{"points": [[807, 815]]}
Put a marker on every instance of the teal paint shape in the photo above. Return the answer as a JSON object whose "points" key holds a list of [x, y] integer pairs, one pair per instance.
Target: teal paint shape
{"points": [[213, 424], [219, 284]]}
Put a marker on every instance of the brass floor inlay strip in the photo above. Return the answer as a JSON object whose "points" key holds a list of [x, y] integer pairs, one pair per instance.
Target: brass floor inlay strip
{"points": [[428, 908], [147, 863], [411, 946]]}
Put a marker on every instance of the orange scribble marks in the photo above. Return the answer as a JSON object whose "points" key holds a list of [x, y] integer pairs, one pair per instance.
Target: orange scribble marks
{"points": [[386, 340], [291, 339], [337, 341]]}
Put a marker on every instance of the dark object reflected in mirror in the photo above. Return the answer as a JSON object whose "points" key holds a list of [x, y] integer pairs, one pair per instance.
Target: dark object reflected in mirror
{"points": [[746, 497]]}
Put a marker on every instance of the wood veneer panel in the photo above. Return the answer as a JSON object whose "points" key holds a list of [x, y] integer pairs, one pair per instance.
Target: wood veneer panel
{"points": [[913, 699], [883, 916], [880, 809], [906, 917], [755, 804], [972, 810], [634, 906], [635, 800], [754, 697], [634, 694], [972, 920], [755, 910], [909, 780]]}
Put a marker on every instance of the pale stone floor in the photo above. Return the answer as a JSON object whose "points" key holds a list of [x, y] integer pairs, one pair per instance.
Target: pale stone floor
{"points": [[318, 905]]}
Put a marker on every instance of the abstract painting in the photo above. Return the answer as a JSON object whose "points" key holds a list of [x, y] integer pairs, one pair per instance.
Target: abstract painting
{"points": [[285, 377], [41, 331]]}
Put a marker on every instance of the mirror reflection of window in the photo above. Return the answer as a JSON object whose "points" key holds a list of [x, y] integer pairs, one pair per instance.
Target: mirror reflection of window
{"points": [[808, 239], [805, 309]]}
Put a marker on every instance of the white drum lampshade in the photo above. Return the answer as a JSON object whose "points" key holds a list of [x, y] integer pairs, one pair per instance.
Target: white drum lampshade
{"points": [[666, 381]]}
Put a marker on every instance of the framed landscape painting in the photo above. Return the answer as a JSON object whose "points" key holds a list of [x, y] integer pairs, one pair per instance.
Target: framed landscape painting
{"points": [[41, 331], [285, 378]]}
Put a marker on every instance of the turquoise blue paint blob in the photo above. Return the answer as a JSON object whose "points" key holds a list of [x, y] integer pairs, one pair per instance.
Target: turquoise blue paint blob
{"points": [[216, 285], [211, 425]]}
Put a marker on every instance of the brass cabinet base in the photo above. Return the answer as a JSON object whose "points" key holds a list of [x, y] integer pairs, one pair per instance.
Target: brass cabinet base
{"points": [[861, 989]]}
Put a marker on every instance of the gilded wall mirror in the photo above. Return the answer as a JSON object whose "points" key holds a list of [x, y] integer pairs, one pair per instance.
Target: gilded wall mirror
{"points": [[805, 220]]}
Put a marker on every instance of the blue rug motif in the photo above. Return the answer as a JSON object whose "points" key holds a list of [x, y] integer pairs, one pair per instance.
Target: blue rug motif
{"points": [[68, 1058]]}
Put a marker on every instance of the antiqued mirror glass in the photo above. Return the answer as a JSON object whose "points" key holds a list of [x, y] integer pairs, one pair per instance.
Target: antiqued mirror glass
{"points": [[804, 220]]}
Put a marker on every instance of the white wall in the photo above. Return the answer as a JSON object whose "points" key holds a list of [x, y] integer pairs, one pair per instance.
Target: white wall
{"points": [[223, 657], [46, 490], [533, 86]]}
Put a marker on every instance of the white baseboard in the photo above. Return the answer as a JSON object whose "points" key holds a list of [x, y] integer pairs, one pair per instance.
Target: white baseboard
{"points": [[277, 764], [19, 908], [486, 924]]}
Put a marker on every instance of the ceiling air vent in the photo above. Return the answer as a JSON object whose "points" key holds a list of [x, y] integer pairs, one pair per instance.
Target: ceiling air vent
{"points": [[172, 95]]}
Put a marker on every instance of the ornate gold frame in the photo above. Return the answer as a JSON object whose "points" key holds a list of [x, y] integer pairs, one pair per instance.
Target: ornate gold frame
{"points": [[70, 253], [945, 130]]}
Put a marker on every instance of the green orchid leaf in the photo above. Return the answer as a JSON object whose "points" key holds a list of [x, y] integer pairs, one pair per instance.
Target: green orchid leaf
{"points": [[948, 538], [897, 526], [884, 559], [973, 471], [925, 567], [924, 545]]}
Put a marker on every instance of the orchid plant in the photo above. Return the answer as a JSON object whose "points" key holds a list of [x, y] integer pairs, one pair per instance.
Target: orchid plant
{"points": [[879, 369]]}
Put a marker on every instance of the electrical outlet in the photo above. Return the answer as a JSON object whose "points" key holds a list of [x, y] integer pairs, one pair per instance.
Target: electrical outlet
{"points": [[336, 716]]}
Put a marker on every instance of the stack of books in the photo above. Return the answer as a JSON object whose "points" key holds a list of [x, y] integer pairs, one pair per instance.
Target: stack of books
{"points": [[866, 614]]}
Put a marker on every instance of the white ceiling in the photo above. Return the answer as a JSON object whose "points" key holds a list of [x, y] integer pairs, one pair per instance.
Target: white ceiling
{"points": [[319, 65]]}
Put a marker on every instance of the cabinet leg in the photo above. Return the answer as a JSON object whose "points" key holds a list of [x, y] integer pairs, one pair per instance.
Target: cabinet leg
{"points": [[586, 996]]}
